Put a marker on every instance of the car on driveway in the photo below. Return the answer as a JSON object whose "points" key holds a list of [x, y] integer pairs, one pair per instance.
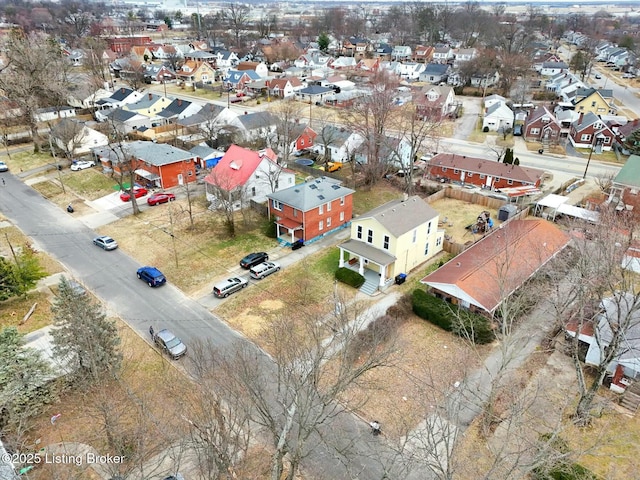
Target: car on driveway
{"points": [[82, 165], [137, 192], [598, 76], [254, 259], [105, 242], [152, 276], [170, 344], [263, 269], [160, 197], [3, 167], [229, 286]]}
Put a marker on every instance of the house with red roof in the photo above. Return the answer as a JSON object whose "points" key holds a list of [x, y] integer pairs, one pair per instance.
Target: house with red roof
{"points": [[284, 87], [243, 175], [488, 272], [487, 174]]}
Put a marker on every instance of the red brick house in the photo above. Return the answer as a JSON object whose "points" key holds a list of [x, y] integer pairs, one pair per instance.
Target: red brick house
{"points": [[305, 138], [542, 126], [589, 131], [124, 44], [155, 164], [311, 210], [487, 174], [485, 274]]}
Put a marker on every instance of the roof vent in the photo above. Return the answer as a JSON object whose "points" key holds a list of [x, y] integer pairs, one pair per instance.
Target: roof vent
{"points": [[458, 264], [335, 187], [321, 197], [235, 165], [313, 186]]}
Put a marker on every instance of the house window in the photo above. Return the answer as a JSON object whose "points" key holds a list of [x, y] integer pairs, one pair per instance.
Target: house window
{"points": [[438, 241], [481, 177], [593, 104], [535, 131], [302, 142], [426, 248], [321, 209], [415, 236], [509, 182], [606, 140], [253, 191], [385, 244], [190, 173], [428, 228], [444, 169], [295, 212], [276, 185], [328, 206], [370, 236], [469, 174], [456, 171], [341, 201], [586, 137], [342, 216], [359, 232], [328, 222], [320, 225], [276, 205]]}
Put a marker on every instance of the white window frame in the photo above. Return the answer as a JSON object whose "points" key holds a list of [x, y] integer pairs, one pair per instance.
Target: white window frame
{"points": [[276, 205], [320, 225]]}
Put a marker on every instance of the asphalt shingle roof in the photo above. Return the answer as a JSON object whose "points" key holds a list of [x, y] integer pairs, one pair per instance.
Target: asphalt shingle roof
{"points": [[629, 174], [400, 217], [312, 194]]}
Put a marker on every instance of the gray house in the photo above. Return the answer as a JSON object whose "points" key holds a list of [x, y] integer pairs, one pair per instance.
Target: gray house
{"points": [[435, 73]]}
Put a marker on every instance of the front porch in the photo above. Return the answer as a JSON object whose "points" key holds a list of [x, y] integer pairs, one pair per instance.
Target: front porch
{"points": [[375, 265]]}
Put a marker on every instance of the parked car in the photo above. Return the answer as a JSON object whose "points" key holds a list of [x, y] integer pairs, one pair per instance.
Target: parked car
{"points": [[254, 259], [105, 242], [263, 269], [170, 344], [3, 167], [137, 192], [229, 286], [517, 130], [160, 197], [82, 165], [152, 276], [332, 167], [598, 76], [628, 75]]}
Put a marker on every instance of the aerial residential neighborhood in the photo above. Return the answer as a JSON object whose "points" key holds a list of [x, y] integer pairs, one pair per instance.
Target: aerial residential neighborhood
{"points": [[319, 241]]}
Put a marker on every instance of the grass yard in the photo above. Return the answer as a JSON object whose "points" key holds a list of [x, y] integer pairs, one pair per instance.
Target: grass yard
{"points": [[197, 256], [459, 214], [368, 199], [23, 161], [52, 191], [554, 149], [91, 183]]}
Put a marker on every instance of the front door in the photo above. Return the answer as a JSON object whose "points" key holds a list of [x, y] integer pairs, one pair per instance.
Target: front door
{"points": [[180, 179]]}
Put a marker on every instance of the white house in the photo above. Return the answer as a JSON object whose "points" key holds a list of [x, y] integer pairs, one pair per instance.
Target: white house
{"points": [[411, 70], [401, 52], [497, 117], [244, 175], [75, 138]]}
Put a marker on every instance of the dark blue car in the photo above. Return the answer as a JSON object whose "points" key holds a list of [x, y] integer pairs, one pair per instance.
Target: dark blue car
{"points": [[152, 276]]}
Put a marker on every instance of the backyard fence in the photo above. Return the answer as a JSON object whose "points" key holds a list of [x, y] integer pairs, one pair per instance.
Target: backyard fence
{"points": [[466, 196]]}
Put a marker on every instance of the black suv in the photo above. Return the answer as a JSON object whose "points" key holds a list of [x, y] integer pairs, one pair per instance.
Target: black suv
{"points": [[254, 259]]}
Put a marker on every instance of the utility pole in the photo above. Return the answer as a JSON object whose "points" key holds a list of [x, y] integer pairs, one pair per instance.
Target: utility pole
{"points": [[58, 168], [593, 143]]}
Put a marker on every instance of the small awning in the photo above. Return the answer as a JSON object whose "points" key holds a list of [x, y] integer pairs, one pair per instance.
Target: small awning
{"points": [[368, 251], [147, 175], [290, 224]]}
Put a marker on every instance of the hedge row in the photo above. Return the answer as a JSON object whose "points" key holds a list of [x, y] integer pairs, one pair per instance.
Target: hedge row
{"points": [[448, 317], [350, 277]]}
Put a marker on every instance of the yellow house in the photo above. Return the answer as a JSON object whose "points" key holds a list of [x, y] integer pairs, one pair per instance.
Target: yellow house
{"points": [[593, 100], [149, 105], [193, 71], [390, 240]]}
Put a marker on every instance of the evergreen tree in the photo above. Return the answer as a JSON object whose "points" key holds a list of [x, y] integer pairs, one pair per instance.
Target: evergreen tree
{"points": [[632, 142], [24, 385], [84, 335], [508, 156], [516, 161], [20, 275], [323, 42]]}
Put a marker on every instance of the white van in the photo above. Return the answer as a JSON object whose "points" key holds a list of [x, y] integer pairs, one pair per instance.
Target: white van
{"points": [[263, 269]]}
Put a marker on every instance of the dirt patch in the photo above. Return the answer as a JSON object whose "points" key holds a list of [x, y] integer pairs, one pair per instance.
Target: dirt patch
{"points": [[456, 215]]}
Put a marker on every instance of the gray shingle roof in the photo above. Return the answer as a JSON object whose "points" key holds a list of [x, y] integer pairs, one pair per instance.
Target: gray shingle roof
{"points": [[400, 217], [157, 154], [309, 195], [256, 120]]}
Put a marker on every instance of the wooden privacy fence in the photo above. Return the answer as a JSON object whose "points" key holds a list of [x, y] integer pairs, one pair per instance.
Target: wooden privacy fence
{"points": [[466, 196]]}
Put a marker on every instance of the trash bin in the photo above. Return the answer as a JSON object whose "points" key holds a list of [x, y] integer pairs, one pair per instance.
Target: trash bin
{"points": [[400, 278]]}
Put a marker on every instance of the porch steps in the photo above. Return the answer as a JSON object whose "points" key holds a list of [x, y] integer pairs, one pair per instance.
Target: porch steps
{"points": [[630, 401], [369, 287]]}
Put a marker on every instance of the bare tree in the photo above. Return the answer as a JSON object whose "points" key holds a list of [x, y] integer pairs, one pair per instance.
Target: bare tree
{"points": [[237, 17], [311, 368], [287, 114], [226, 196], [132, 73], [604, 181], [599, 296], [34, 75], [370, 117], [69, 135]]}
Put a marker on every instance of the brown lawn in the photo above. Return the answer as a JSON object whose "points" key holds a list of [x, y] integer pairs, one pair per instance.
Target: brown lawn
{"points": [[458, 215]]}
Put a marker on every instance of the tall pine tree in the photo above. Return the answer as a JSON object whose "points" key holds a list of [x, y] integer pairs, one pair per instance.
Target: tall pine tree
{"points": [[84, 335]]}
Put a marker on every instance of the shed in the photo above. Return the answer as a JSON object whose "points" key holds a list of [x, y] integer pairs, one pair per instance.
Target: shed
{"points": [[506, 212]]}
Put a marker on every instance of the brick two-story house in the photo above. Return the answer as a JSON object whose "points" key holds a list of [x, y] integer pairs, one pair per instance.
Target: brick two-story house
{"points": [[311, 210], [482, 173], [542, 126], [589, 131]]}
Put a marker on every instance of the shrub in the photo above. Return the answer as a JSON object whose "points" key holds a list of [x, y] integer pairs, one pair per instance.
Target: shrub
{"points": [[452, 319], [378, 332], [350, 277], [485, 129], [270, 229]]}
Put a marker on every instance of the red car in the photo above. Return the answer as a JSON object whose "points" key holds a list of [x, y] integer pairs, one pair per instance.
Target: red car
{"points": [[137, 192], [160, 197]]}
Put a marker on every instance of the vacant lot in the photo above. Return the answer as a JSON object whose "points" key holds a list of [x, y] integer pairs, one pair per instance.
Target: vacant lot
{"points": [[455, 215]]}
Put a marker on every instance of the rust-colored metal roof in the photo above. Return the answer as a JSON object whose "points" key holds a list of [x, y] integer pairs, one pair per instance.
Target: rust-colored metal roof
{"points": [[497, 265]]}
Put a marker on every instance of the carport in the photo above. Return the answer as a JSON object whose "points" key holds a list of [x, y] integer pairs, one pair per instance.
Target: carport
{"points": [[150, 177], [557, 205]]}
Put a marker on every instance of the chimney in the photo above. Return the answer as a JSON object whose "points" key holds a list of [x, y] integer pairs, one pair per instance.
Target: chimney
{"points": [[580, 118], [179, 102], [150, 96], [122, 90], [635, 122]]}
